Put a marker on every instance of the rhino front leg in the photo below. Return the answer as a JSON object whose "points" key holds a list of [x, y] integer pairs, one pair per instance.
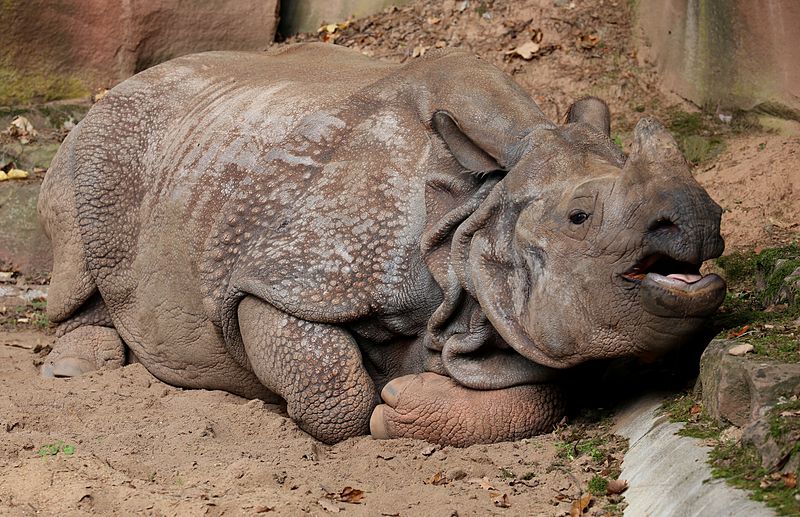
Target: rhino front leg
{"points": [[84, 349], [315, 367], [435, 408], [85, 342]]}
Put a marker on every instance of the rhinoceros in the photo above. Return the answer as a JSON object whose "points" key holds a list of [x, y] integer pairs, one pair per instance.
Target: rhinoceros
{"points": [[315, 227]]}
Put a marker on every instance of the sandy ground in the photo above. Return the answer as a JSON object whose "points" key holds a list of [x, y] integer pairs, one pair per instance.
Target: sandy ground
{"points": [[757, 181], [143, 447], [126, 443]]}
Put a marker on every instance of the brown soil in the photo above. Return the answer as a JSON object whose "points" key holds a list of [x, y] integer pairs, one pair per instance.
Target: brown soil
{"points": [[757, 181], [143, 447]]}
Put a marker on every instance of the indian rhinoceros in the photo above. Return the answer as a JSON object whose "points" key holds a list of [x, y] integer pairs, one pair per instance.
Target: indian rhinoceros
{"points": [[312, 225]]}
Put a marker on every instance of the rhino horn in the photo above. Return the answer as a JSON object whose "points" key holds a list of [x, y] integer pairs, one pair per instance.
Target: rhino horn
{"points": [[653, 143]]}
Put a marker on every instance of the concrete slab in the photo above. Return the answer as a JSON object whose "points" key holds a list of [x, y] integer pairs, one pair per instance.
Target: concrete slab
{"points": [[668, 475]]}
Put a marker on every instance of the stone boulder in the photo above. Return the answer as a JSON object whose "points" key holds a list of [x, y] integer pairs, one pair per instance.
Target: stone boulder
{"points": [[24, 246], [740, 390]]}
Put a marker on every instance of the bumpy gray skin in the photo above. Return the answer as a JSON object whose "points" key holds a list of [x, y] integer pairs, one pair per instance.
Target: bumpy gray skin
{"points": [[310, 225]]}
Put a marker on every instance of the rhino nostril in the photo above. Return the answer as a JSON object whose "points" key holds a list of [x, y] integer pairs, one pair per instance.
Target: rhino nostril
{"points": [[662, 223]]}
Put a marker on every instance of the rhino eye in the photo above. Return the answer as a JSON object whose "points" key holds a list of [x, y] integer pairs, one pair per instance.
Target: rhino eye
{"points": [[578, 217]]}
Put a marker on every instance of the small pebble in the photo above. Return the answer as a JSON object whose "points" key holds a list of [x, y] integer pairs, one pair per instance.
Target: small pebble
{"points": [[740, 350]]}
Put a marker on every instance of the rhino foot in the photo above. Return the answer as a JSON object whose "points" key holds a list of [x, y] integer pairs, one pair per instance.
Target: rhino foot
{"points": [[435, 408], [82, 350]]}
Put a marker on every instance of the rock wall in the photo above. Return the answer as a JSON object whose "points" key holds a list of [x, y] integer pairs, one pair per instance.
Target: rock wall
{"points": [[100, 42], [728, 54]]}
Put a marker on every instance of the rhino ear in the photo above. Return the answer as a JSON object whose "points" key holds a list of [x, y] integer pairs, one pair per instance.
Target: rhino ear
{"points": [[591, 111], [471, 155]]}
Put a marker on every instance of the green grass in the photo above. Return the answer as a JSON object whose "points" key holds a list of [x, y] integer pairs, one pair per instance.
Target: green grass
{"points": [[740, 465], [53, 449], [598, 485], [697, 134]]}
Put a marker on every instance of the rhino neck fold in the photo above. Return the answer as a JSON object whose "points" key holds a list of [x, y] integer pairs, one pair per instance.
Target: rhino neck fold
{"points": [[472, 352]]}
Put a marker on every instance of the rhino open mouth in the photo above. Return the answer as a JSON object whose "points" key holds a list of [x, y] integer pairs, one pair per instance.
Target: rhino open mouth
{"points": [[673, 288]]}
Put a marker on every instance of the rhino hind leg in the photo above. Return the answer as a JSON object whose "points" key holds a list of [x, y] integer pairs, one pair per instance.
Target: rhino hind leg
{"points": [[316, 368], [435, 408], [85, 342]]}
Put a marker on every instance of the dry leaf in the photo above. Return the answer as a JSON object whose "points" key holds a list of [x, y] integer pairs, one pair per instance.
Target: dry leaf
{"points": [[587, 41], [437, 479], [348, 495], [501, 501], [3, 175], [97, 97], [21, 129], [419, 51], [526, 51], [17, 174], [616, 486], [329, 506], [695, 409], [434, 20], [580, 505], [733, 334], [790, 480]]}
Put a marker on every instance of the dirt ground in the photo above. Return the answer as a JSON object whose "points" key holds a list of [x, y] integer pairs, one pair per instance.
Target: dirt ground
{"points": [[121, 442]]}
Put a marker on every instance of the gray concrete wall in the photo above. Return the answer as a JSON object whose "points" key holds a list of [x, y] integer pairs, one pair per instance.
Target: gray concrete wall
{"points": [[735, 54]]}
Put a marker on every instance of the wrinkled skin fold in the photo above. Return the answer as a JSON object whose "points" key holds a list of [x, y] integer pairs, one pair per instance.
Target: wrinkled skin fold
{"points": [[409, 250]]}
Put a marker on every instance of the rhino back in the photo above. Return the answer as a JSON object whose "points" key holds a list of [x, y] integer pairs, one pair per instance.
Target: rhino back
{"points": [[223, 174]]}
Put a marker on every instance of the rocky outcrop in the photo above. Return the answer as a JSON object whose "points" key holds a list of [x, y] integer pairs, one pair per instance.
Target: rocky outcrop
{"points": [[24, 246], [738, 390], [101, 42]]}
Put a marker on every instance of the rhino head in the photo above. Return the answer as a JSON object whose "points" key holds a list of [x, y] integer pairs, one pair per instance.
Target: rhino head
{"points": [[576, 251]]}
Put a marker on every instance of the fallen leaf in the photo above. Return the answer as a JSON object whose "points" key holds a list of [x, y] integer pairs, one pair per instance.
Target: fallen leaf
{"points": [[526, 51], [419, 51], [587, 41], [17, 174], [348, 495], [21, 129], [329, 506], [3, 176], [616, 486], [501, 501], [434, 20], [790, 480], [437, 479], [733, 334], [580, 505], [97, 97], [695, 409]]}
